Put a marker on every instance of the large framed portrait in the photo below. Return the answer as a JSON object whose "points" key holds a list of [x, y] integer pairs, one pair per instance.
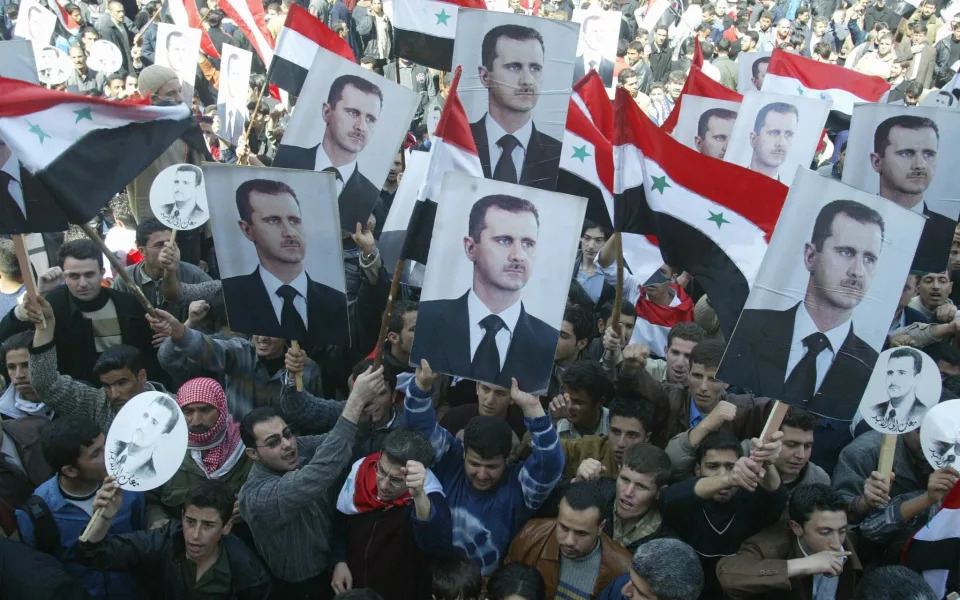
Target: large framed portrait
{"points": [[35, 22], [283, 274], [820, 308], [178, 48], [492, 304], [705, 124], [751, 68], [597, 46], [232, 93], [146, 442]]}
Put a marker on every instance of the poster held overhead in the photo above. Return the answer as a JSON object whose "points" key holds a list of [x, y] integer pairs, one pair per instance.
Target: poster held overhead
{"points": [[705, 124], [178, 197], [232, 93], [146, 442], [177, 48], [105, 57], [904, 385], [597, 46], [752, 67], [940, 435], [53, 65], [35, 23]]}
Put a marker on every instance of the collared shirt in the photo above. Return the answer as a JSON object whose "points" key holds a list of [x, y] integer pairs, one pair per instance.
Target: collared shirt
{"points": [[824, 588], [12, 168], [695, 416], [593, 284], [477, 311], [272, 284], [591, 57], [566, 430], [495, 132], [216, 582], [803, 326], [345, 171]]}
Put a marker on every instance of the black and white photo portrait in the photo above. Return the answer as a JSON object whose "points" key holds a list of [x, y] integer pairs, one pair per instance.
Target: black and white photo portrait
{"points": [[515, 90], [349, 122], [751, 68], [819, 310], [493, 311], [232, 93], [178, 197], [178, 48], [905, 384], [35, 23], [597, 47], [940, 435], [53, 65], [705, 124], [146, 442], [105, 57], [283, 275], [905, 154]]}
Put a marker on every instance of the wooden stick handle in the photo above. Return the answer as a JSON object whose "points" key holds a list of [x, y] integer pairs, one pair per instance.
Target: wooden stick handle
{"points": [[121, 271], [774, 420], [173, 236], [143, 30], [86, 530], [618, 297], [387, 310], [298, 378], [26, 271], [887, 450]]}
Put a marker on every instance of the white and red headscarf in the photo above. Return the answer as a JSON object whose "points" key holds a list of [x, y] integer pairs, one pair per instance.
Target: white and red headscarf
{"points": [[221, 444]]}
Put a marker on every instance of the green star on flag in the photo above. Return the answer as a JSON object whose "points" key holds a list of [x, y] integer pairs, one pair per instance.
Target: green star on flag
{"points": [[83, 113], [581, 152], [36, 129], [660, 183], [717, 218], [442, 17]]}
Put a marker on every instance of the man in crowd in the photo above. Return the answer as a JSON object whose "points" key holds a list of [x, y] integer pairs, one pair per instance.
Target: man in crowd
{"points": [[727, 67], [399, 342], [675, 365], [417, 78], [923, 57], [665, 569], [83, 80], [20, 399], [797, 442], [636, 520], [575, 333], [592, 456], [948, 53], [22, 465], [932, 301], [580, 410], [116, 28]]}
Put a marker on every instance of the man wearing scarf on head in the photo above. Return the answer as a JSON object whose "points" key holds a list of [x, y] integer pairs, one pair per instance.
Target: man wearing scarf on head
{"points": [[214, 450], [391, 515]]}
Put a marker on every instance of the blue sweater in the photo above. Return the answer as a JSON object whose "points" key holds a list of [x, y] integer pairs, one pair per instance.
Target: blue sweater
{"points": [[485, 522]]}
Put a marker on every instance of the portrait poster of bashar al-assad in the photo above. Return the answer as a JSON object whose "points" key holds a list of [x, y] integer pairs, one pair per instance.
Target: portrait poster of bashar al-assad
{"points": [[597, 46], [105, 57], [283, 276], [515, 89], [17, 61], [820, 307], [940, 435], [232, 94], [349, 122], [492, 311], [751, 68], [178, 197], [178, 48], [35, 23], [774, 134], [705, 124], [53, 65], [904, 385], [146, 442], [908, 154]]}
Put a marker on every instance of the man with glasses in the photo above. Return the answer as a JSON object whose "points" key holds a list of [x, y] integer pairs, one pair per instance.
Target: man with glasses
{"points": [[286, 499]]}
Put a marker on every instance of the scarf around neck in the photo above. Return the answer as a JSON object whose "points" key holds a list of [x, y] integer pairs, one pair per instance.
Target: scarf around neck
{"points": [[220, 442]]}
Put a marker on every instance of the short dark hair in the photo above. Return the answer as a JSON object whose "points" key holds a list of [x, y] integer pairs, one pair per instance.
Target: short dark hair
{"points": [[908, 353], [9, 265], [80, 250], [894, 582], [489, 437], [670, 568], [917, 27], [765, 60], [799, 418], [400, 310], [606, 310], [723, 45], [777, 107], [588, 224], [581, 319], [17, 341], [340, 83], [718, 440], [823, 50], [686, 330], [173, 411], [707, 353], [881, 137], [913, 89], [624, 75], [389, 375], [588, 376], [63, 439], [584, 495], [753, 35], [519, 33], [805, 9], [147, 228], [172, 35], [123, 356], [677, 76], [211, 493], [647, 459], [251, 420], [214, 17], [402, 445], [197, 173], [455, 577], [806, 499], [512, 204], [633, 408], [516, 579], [724, 114], [861, 213], [270, 187]]}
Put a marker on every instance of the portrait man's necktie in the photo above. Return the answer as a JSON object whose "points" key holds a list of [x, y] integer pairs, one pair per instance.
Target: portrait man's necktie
{"points": [[506, 170], [486, 360], [291, 323], [802, 382]]}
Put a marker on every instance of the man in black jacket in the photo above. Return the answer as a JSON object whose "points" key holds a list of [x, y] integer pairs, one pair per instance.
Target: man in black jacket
{"points": [[191, 558]]}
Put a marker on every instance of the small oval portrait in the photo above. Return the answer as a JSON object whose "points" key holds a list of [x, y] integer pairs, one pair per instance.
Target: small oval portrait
{"points": [[104, 57], [940, 435], [178, 197], [904, 385], [147, 442], [53, 65]]}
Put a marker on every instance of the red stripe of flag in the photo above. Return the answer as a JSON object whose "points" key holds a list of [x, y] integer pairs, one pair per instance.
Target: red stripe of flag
{"points": [[824, 76], [454, 127], [22, 98], [259, 21], [698, 84], [594, 96], [300, 20]]}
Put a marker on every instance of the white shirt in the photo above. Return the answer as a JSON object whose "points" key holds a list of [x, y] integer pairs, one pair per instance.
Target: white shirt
{"points": [[324, 162], [477, 311], [591, 56], [803, 326], [495, 132], [273, 284], [12, 168]]}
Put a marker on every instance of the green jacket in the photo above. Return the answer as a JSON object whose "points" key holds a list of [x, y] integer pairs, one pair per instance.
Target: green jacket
{"points": [[166, 501]]}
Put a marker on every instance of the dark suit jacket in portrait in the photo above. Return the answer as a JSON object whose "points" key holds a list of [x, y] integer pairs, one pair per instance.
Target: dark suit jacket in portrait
{"points": [[756, 359], [250, 310], [604, 69], [358, 195], [933, 250], [42, 216], [541, 163], [443, 338]]}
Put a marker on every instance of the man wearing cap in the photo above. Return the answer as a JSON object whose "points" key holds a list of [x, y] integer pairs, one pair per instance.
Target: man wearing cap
{"points": [[214, 450]]}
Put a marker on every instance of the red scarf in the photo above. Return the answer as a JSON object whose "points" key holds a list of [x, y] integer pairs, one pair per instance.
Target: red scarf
{"points": [[365, 488], [220, 442]]}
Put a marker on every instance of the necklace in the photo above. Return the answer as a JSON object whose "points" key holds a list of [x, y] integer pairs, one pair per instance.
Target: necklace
{"points": [[718, 531]]}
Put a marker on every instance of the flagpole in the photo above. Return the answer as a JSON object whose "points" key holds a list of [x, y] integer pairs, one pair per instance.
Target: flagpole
{"points": [[246, 134], [121, 271], [143, 30], [298, 378], [618, 298], [387, 311], [26, 271]]}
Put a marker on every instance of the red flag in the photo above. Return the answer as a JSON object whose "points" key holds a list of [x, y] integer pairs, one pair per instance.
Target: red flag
{"points": [[249, 17], [184, 14], [300, 38], [697, 53], [698, 84]]}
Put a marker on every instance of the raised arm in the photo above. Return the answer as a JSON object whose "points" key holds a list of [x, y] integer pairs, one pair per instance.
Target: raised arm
{"points": [[303, 409], [419, 414], [541, 470]]}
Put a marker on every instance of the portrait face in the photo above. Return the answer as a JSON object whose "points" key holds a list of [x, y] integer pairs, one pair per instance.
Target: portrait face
{"points": [[630, 84], [908, 163], [151, 426], [483, 473], [200, 416], [577, 530], [714, 141], [114, 88], [783, 28], [674, 90], [820, 28], [901, 379], [492, 400], [718, 462], [83, 277], [130, 86], [35, 22], [88, 38], [78, 58], [275, 227], [842, 271], [934, 289], [765, 23], [403, 341], [660, 36], [185, 185], [591, 242], [276, 446], [656, 95], [795, 450], [593, 34], [514, 79], [707, 390], [582, 410], [884, 46], [390, 479], [504, 256], [351, 122], [918, 37], [238, 86], [772, 144], [636, 493], [202, 530], [17, 363], [567, 345], [824, 530], [625, 432], [120, 385], [761, 72], [177, 53]]}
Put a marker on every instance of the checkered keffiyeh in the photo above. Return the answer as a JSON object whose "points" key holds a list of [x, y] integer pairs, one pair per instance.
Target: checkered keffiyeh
{"points": [[219, 443]]}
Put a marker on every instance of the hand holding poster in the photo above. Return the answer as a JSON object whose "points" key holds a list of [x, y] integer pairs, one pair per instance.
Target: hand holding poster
{"points": [[146, 442], [178, 197], [178, 48], [233, 91], [904, 385]]}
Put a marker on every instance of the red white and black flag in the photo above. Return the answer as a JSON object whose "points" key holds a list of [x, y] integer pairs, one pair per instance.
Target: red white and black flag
{"points": [[300, 39], [423, 30], [250, 18], [934, 551]]}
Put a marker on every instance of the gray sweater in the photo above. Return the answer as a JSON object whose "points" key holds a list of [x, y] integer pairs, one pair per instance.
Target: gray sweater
{"points": [[289, 513]]}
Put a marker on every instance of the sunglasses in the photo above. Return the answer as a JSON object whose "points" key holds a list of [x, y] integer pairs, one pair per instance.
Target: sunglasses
{"points": [[274, 441]]}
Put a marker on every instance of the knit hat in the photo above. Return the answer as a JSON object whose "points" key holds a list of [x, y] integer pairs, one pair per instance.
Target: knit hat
{"points": [[153, 78]]}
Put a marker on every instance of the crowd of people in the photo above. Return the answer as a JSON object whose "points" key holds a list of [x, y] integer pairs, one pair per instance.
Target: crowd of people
{"points": [[322, 471]]}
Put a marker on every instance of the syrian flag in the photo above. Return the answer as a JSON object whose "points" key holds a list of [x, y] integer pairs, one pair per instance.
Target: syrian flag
{"points": [[249, 17], [713, 219], [83, 149], [184, 13], [794, 75], [300, 38], [65, 21], [424, 30], [654, 321], [934, 551], [699, 84]]}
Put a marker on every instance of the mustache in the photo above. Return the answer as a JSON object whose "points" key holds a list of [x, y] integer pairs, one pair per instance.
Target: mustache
{"points": [[199, 428]]}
